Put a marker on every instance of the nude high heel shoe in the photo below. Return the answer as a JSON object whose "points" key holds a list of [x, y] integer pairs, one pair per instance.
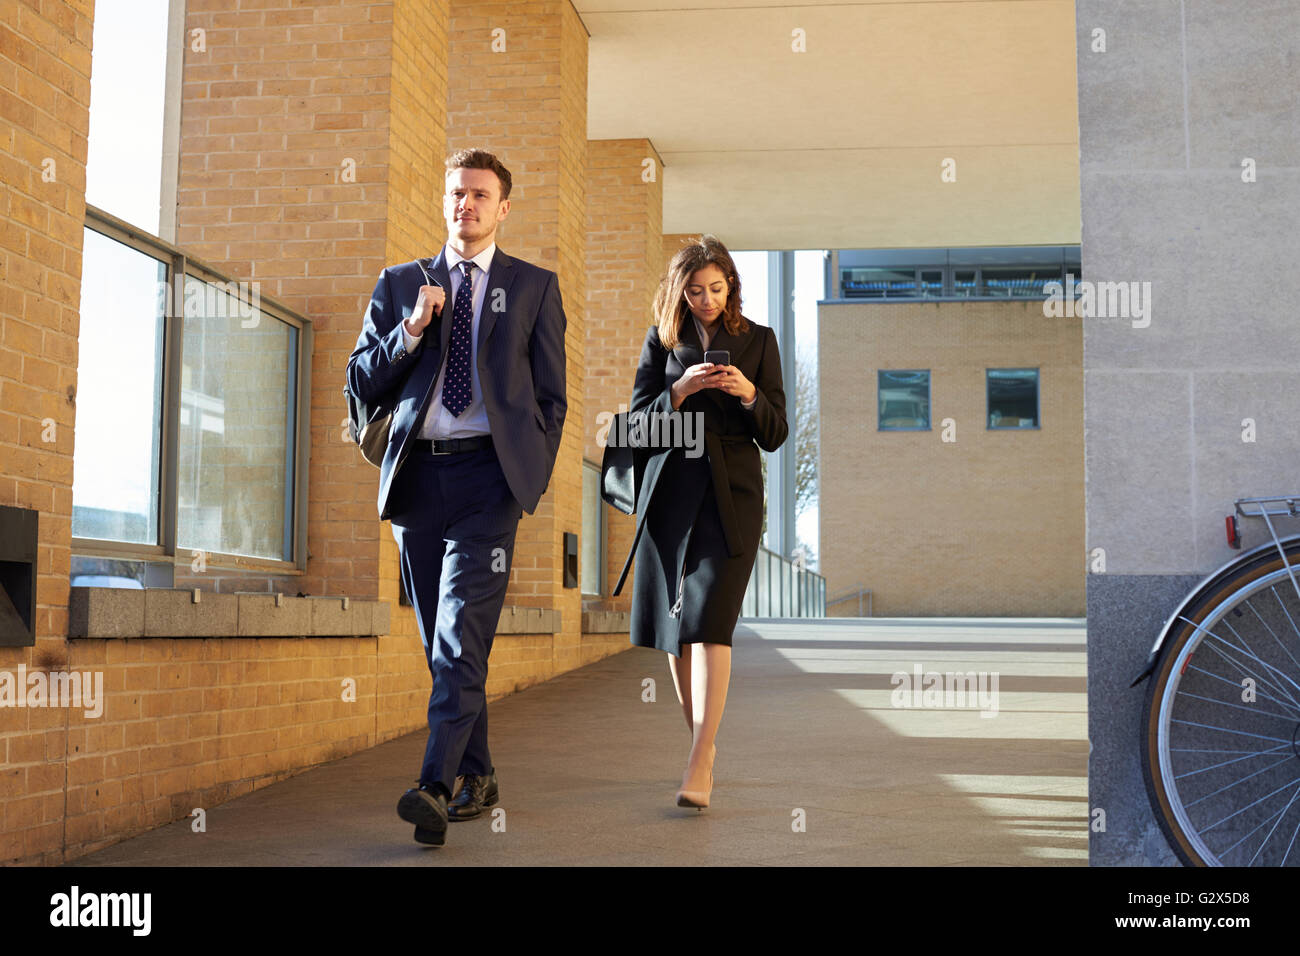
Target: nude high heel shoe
{"points": [[699, 799]]}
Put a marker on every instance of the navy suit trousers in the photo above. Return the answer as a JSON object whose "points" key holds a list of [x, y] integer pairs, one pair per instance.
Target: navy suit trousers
{"points": [[454, 518]]}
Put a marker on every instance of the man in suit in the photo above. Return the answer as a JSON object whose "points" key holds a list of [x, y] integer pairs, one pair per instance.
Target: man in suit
{"points": [[478, 397]]}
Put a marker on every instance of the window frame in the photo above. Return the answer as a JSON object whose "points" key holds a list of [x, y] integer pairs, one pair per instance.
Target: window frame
{"points": [[929, 400], [180, 264], [601, 532], [1038, 398]]}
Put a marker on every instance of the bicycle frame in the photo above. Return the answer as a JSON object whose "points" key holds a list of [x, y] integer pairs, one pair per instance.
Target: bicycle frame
{"points": [[1290, 509]]}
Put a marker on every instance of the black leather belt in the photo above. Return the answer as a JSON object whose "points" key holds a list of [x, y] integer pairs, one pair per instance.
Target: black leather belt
{"points": [[450, 446]]}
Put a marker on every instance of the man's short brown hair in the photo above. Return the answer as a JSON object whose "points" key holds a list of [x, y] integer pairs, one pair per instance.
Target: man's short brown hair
{"points": [[481, 159]]}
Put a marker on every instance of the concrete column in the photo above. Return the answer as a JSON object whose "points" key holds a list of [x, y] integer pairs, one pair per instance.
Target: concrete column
{"points": [[1190, 179]]}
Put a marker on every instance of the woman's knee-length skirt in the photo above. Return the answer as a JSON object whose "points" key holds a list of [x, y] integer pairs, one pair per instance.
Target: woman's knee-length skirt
{"points": [[686, 588]]}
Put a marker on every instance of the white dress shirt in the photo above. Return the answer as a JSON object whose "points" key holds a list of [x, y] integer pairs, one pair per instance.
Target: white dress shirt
{"points": [[706, 338], [438, 422]]}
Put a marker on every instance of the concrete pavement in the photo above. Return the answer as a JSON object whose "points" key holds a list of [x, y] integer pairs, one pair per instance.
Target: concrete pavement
{"points": [[816, 765]]}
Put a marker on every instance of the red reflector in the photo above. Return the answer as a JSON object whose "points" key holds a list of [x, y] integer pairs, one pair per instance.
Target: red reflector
{"points": [[1230, 527]]}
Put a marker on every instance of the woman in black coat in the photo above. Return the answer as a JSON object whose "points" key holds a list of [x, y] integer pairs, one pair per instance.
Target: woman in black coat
{"points": [[700, 502]]}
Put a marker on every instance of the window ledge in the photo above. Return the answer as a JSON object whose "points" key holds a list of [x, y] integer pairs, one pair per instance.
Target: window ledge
{"points": [[98, 613], [175, 613], [517, 619], [606, 622]]}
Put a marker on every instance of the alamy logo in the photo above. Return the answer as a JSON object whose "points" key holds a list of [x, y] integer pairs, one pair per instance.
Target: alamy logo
{"points": [[213, 300], [102, 909], [646, 429], [933, 689], [84, 689], [1098, 300]]}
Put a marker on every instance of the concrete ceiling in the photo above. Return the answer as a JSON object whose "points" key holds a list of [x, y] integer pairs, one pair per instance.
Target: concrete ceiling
{"points": [[842, 145]]}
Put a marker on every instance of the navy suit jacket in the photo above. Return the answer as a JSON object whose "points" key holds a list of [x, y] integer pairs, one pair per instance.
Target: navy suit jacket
{"points": [[519, 354]]}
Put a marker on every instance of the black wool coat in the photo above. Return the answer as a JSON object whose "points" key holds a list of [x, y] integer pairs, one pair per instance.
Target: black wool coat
{"points": [[699, 519]]}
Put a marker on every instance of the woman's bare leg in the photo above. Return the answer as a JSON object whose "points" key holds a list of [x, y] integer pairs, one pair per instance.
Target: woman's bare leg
{"points": [[681, 671], [710, 678]]}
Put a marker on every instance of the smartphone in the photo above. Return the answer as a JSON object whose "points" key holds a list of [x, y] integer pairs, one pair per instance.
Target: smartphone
{"points": [[718, 357]]}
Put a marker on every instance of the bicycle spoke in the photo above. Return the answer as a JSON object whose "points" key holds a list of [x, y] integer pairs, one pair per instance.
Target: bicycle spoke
{"points": [[1290, 620], [1237, 686], [1248, 755], [1281, 816], [1220, 750], [1259, 826], [1290, 718], [1253, 656], [1287, 854], [1249, 805], [1234, 783], [1260, 681], [1228, 730]]}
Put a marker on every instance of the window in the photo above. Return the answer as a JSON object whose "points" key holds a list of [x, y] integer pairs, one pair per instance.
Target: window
{"points": [[593, 532], [1011, 272], [190, 426], [903, 400], [880, 283], [236, 426], [115, 473], [125, 173], [1013, 397], [930, 282], [1018, 282]]}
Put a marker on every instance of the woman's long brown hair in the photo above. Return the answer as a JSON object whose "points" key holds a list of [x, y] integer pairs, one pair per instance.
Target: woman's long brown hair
{"points": [[670, 306]]}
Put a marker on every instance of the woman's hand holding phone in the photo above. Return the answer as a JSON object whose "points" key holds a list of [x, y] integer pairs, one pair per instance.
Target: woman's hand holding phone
{"points": [[728, 378], [695, 378]]}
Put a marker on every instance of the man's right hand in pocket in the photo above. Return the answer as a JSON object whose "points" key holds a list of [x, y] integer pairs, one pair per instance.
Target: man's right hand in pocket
{"points": [[427, 304]]}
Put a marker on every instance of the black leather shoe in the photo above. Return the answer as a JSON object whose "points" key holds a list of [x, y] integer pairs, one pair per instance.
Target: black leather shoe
{"points": [[427, 809], [475, 794]]}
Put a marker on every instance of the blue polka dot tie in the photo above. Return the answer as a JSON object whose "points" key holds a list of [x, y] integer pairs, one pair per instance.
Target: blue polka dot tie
{"points": [[456, 382]]}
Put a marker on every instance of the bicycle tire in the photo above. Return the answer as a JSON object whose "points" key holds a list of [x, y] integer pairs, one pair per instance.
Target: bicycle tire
{"points": [[1215, 813]]}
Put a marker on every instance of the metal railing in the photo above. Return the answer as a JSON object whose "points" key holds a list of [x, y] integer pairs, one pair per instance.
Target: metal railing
{"points": [[779, 588], [857, 594]]}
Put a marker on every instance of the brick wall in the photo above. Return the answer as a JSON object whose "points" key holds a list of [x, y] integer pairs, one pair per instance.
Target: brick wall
{"points": [[286, 152], [526, 102], [44, 121], [624, 261], [672, 243], [989, 525]]}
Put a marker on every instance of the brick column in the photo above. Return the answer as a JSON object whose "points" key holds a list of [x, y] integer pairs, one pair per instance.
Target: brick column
{"points": [[45, 118], [312, 140], [673, 241], [518, 87], [624, 264], [312, 152]]}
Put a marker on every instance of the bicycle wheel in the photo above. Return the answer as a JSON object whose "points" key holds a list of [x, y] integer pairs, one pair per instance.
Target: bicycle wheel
{"points": [[1221, 753]]}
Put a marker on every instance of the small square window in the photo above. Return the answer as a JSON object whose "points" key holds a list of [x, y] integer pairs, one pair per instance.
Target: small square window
{"points": [[903, 400], [1013, 397]]}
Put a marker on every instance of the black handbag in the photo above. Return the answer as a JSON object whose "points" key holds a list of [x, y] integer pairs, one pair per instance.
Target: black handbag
{"points": [[622, 467]]}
